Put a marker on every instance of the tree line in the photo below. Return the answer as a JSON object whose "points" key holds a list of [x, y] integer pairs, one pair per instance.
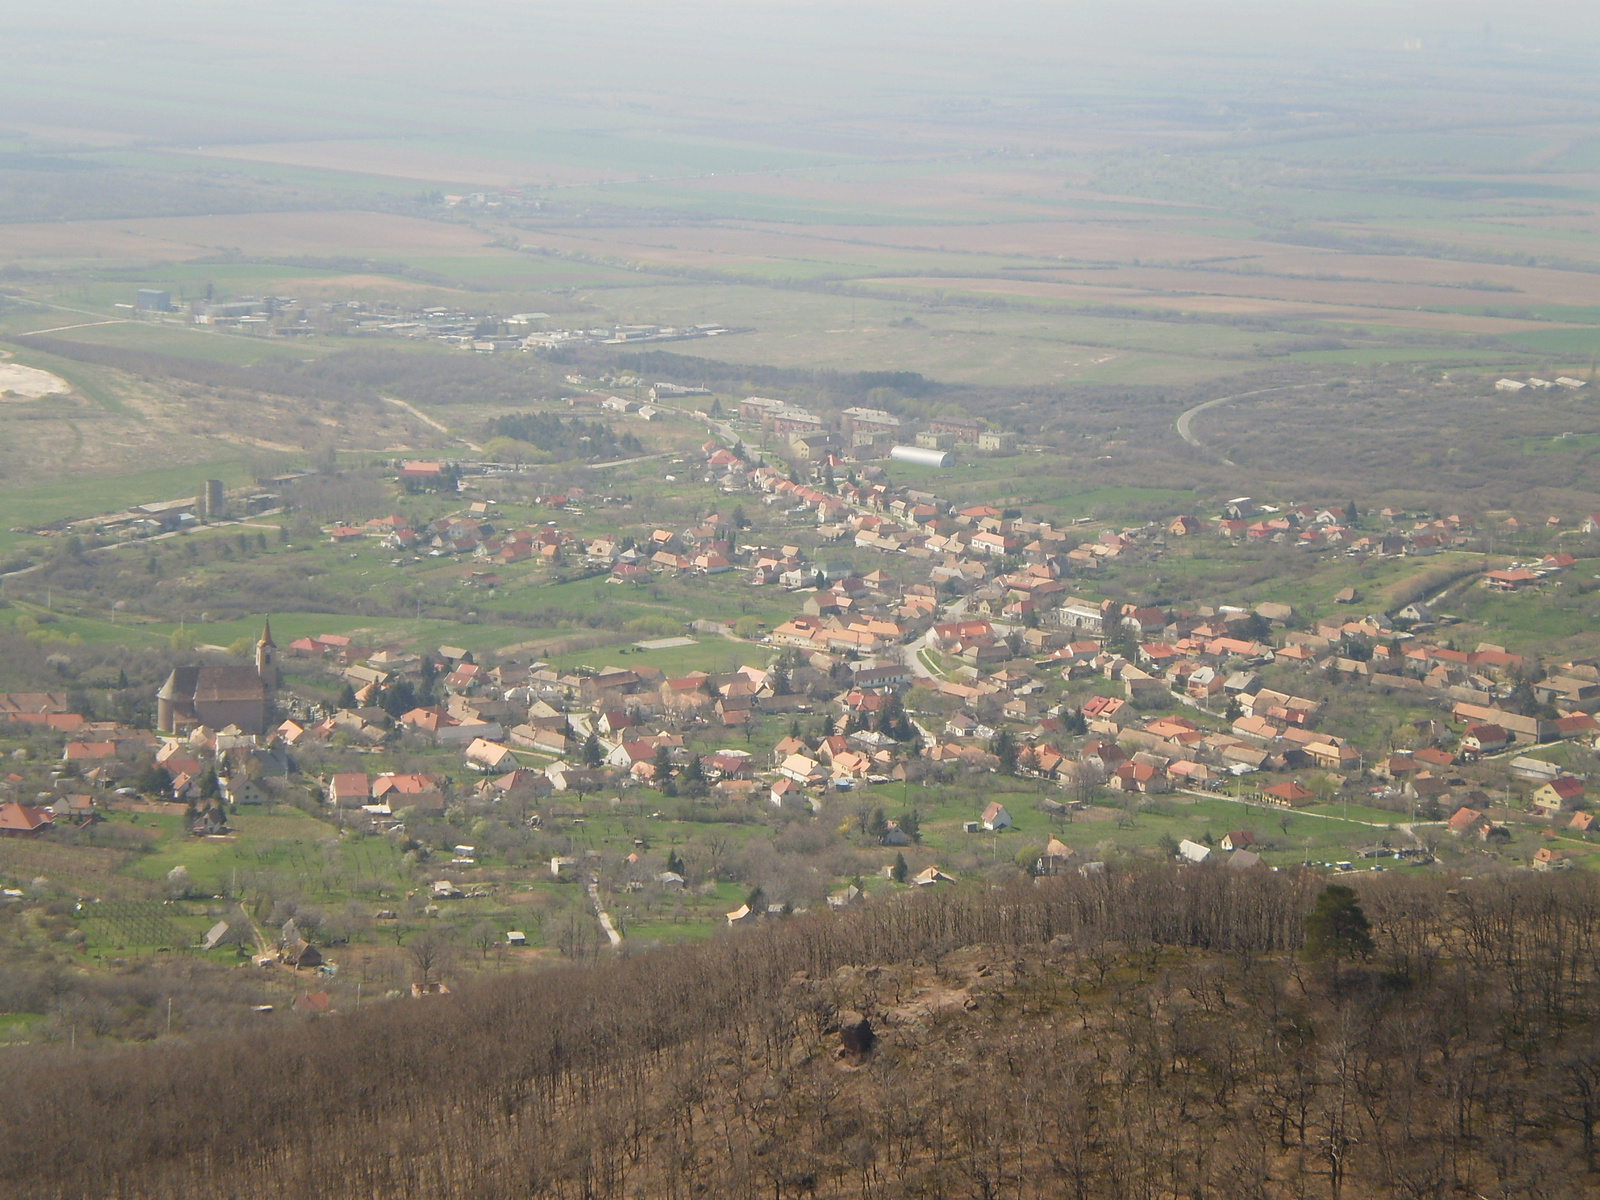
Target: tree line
{"points": [[1148, 1032]]}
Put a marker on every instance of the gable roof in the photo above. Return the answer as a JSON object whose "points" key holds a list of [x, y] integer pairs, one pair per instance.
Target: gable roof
{"points": [[22, 818], [221, 684], [1290, 792]]}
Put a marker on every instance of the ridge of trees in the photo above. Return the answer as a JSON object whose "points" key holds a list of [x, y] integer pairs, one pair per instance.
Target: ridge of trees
{"points": [[1147, 1031]]}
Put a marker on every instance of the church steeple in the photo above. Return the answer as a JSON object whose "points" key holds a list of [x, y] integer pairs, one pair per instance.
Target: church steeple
{"points": [[267, 658]]}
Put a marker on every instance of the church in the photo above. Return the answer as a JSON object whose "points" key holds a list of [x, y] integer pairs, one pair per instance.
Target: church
{"points": [[221, 696]]}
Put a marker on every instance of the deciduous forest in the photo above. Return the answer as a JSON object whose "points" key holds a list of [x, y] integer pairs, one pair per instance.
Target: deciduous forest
{"points": [[1150, 1032]]}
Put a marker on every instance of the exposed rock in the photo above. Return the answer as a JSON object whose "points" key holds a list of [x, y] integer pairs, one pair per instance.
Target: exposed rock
{"points": [[855, 1033]]}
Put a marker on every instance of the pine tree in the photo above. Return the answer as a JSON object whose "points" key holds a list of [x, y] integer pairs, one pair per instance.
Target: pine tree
{"points": [[899, 871], [1004, 747], [591, 750], [1337, 927]]}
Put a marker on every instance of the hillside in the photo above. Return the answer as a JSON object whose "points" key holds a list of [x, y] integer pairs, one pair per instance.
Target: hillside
{"points": [[1148, 1032]]}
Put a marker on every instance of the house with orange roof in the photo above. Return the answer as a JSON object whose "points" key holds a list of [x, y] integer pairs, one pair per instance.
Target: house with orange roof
{"points": [[23, 820], [1290, 794]]}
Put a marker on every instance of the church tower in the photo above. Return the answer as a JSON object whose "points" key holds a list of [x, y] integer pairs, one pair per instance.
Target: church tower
{"points": [[267, 659]]}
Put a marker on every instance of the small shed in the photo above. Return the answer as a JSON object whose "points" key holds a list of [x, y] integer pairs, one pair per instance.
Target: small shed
{"points": [[301, 953]]}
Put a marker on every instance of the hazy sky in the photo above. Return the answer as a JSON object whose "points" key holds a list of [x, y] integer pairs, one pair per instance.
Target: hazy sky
{"points": [[85, 70]]}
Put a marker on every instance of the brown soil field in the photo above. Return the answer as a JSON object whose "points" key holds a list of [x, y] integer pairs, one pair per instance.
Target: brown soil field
{"points": [[911, 190], [263, 235], [1499, 237], [709, 247], [1235, 305], [396, 160], [1084, 239], [1343, 286]]}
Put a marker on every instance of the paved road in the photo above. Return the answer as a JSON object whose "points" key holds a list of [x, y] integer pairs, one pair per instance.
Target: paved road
{"points": [[80, 325], [1186, 421], [625, 462], [919, 669]]}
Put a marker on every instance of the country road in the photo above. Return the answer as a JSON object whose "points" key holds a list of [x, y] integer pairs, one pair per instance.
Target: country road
{"points": [[606, 926], [427, 420]]}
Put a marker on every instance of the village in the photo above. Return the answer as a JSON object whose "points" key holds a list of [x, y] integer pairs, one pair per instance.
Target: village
{"points": [[976, 683]]}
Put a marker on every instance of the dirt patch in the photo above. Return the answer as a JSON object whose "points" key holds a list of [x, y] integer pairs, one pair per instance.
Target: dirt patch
{"points": [[20, 384]]}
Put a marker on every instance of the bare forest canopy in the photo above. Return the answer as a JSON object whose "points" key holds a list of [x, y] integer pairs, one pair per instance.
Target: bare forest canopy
{"points": [[1147, 1032]]}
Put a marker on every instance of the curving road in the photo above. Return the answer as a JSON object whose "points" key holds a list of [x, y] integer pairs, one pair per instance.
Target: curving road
{"points": [[427, 420], [1186, 421]]}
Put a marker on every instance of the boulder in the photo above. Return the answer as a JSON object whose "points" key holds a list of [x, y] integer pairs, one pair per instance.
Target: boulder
{"points": [[855, 1033]]}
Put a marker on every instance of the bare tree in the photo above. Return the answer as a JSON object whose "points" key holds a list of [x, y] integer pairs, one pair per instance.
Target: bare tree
{"points": [[430, 953]]}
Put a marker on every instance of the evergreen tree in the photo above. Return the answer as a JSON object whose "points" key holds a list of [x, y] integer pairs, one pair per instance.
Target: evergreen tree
{"points": [[899, 871], [591, 750], [1004, 747], [398, 698], [891, 715], [675, 864], [347, 698], [1337, 927]]}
